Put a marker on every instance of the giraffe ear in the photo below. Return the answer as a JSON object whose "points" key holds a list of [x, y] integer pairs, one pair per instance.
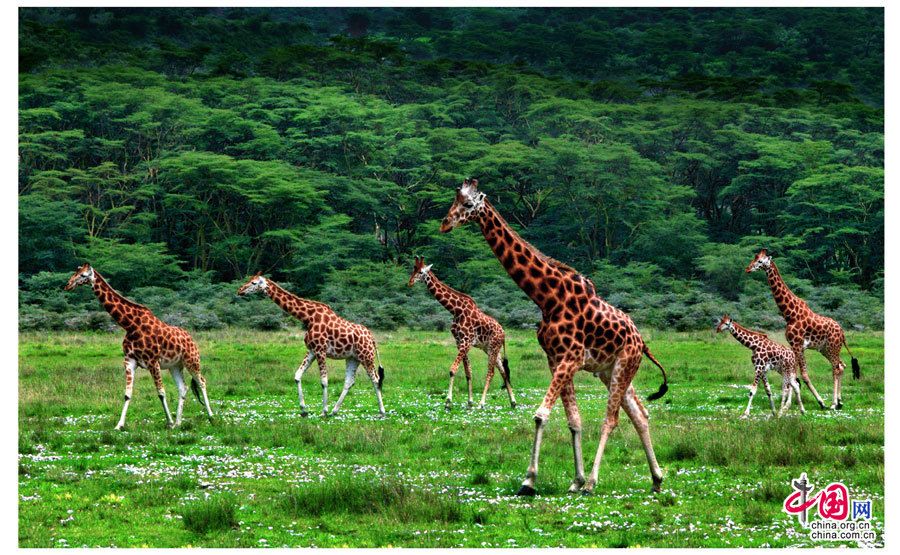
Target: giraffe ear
{"points": [[427, 269], [474, 184]]}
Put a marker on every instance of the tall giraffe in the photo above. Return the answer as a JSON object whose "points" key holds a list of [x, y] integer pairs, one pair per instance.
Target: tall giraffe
{"points": [[471, 327], [767, 355], [327, 336], [578, 331], [807, 330], [149, 343]]}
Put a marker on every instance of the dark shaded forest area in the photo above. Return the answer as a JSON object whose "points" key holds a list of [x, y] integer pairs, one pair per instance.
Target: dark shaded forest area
{"points": [[656, 150]]}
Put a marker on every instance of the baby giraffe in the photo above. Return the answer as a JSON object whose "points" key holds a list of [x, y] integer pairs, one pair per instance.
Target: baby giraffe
{"points": [[767, 355], [471, 328], [327, 336], [149, 343]]}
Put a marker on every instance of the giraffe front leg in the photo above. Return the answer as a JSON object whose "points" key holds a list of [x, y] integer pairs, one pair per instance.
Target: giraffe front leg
{"points": [[562, 374], [769, 393], [448, 402], [746, 413], [574, 419], [130, 365], [298, 377], [349, 380], [323, 376], [156, 372], [182, 393], [468, 372], [786, 394]]}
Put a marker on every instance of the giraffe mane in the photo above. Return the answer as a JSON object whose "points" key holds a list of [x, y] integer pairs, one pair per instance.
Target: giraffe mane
{"points": [[456, 291], [562, 266], [125, 300], [298, 297], [751, 332]]}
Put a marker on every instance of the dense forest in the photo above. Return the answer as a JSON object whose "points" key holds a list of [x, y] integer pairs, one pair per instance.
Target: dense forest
{"points": [[656, 150]]}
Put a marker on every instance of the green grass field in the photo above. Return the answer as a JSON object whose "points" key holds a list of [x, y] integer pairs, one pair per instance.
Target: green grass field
{"points": [[260, 475]]}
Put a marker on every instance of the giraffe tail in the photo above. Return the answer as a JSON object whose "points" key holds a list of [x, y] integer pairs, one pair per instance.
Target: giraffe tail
{"points": [[505, 362], [380, 368], [665, 385], [195, 387], [854, 362]]}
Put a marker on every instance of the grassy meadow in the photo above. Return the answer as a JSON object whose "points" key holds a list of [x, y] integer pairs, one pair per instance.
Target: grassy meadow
{"points": [[260, 475]]}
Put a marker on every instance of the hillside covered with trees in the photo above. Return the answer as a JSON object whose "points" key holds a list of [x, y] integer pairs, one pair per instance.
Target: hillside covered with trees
{"points": [[656, 150]]}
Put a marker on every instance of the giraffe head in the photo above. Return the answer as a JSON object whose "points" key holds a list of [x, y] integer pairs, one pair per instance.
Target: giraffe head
{"points": [[762, 260], [420, 270], [256, 283], [84, 274], [725, 323], [468, 206]]}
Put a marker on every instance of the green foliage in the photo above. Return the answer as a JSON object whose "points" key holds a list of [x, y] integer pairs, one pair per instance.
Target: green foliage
{"points": [[321, 146]]}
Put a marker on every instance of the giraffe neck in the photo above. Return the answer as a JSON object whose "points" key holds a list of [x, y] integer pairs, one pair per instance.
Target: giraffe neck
{"points": [[788, 303], [300, 308], [543, 279], [455, 302], [125, 312], [745, 337]]}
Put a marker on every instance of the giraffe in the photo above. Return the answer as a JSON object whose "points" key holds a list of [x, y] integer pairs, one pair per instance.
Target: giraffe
{"points": [[471, 327], [767, 355], [807, 330], [149, 343], [578, 331], [327, 336]]}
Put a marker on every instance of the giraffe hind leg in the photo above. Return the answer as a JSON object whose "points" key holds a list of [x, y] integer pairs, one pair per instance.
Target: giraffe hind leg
{"points": [[198, 385]]}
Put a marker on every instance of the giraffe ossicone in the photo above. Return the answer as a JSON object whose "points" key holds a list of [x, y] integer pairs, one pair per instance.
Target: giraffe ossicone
{"points": [[149, 343], [578, 331]]}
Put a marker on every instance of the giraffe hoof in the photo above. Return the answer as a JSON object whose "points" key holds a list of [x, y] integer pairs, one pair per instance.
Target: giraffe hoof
{"points": [[587, 492], [576, 486], [657, 485], [512, 404], [304, 414], [839, 406], [119, 428], [526, 491]]}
